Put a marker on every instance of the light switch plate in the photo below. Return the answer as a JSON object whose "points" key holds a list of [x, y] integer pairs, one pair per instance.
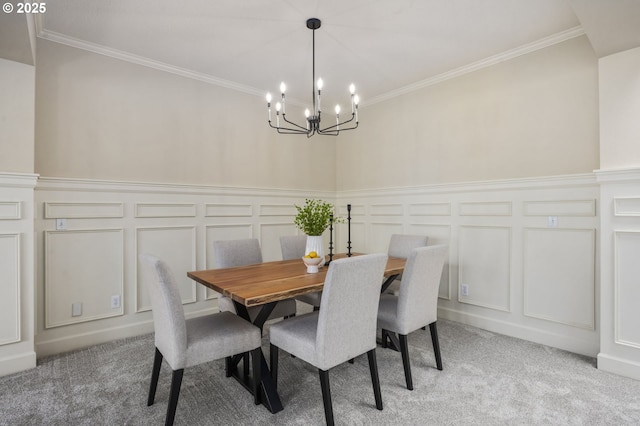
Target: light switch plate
{"points": [[61, 224]]}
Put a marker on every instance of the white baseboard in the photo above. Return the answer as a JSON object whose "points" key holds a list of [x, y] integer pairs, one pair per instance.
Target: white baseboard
{"points": [[619, 366], [17, 363], [536, 335]]}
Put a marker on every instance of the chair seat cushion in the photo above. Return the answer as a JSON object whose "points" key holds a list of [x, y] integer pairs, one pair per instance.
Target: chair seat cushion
{"points": [[297, 336], [218, 336]]}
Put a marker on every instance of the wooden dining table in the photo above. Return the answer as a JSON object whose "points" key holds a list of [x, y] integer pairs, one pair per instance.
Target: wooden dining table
{"points": [[264, 284]]}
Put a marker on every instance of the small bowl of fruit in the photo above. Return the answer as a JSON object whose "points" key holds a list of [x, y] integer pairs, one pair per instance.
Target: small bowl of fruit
{"points": [[312, 260]]}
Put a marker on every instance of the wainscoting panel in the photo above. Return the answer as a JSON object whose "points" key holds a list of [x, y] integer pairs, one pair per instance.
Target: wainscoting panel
{"points": [[560, 208], [497, 208], [485, 266], [438, 235], [175, 245], [10, 279], [228, 210], [559, 275], [484, 223], [278, 210], [626, 206], [627, 288], [83, 210], [430, 209], [165, 210], [386, 210], [17, 272], [82, 267], [10, 210]]}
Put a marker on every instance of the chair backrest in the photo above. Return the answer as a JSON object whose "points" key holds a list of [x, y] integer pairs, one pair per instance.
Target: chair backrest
{"points": [[168, 313], [230, 253], [349, 309], [293, 246], [418, 298], [401, 245]]}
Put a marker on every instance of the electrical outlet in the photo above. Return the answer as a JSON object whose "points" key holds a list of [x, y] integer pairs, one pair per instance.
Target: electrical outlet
{"points": [[552, 221], [76, 309], [465, 289], [115, 301], [61, 224]]}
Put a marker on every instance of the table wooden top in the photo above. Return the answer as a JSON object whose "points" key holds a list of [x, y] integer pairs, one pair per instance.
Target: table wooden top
{"points": [[267, 282]]}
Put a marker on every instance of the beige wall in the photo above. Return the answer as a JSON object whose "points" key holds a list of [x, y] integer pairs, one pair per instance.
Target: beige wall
{"points": [[620, 110], [536, 115], [16, 116], [102, 118]]}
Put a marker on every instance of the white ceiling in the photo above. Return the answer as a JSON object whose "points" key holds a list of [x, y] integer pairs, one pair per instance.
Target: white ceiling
{"points": [[383, 46]]}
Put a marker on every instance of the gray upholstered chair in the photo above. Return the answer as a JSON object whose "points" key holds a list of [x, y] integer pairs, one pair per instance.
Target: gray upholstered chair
{"points": [[230, 253], [293, 246], [401, 245], [343, 328], [417, 303], [185, 343]]}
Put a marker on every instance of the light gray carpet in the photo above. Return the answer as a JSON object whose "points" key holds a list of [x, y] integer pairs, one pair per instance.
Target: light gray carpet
{"points": [[488, 379]]}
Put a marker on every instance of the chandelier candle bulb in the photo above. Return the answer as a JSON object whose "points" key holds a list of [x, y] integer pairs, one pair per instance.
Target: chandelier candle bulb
{"points": [[269, 105]]}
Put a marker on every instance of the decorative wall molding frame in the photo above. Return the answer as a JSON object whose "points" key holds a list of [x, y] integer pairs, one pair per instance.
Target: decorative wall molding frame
{"points": [[10, 276], [83, 210], [84, 266], [486, 208], [10, 210], [165, 210], [559, 276], [560, 208], [626, 206]]}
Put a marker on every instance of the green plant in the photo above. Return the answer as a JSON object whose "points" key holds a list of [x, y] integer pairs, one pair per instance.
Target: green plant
{"points": [[315, 216]]}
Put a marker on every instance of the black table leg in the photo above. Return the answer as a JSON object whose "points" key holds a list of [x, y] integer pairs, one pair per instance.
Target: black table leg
{"points": [[268, 395]]}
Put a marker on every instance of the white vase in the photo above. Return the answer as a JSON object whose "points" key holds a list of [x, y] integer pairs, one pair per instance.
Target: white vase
{"points": [[314, 243]]}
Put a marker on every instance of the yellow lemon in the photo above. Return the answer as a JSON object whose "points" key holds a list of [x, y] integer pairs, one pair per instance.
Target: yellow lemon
{"points": [[307, 257], [313, 254]]}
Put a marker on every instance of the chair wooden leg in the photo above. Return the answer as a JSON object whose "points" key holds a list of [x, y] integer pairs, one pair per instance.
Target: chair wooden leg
{"points": [[436, 344], [257, 374], [384, 338], [404, 350], [326, 396], [155, 373], [375, 380], [273, 363], [176, 382]]}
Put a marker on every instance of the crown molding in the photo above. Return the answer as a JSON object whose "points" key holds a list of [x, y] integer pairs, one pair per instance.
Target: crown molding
{"points": [[146, 62], [206, 78], [484, 63]]}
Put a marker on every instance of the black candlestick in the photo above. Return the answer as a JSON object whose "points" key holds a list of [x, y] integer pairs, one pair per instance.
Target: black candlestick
{"points": [[330, 240], [349, 230]]}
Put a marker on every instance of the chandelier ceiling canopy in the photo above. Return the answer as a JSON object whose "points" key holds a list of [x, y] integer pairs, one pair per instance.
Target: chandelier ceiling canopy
{"points": [[313, 117]]}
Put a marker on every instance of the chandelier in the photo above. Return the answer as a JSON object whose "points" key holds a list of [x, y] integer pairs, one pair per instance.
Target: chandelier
{"points": [[313, 117]]}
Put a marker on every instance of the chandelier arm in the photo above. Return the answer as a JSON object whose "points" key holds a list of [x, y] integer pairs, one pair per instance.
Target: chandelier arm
{"points": [[287, 129], [335, 126], [284, 117]]}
